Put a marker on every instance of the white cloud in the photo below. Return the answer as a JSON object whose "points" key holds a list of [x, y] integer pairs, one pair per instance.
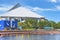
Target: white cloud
{"points": [[5, 7], [57, 7], [53, 1], [38, 9], [41, 9]]}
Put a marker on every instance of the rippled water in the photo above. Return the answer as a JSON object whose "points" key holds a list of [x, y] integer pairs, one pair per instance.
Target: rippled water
{"points": [[31, 37]]}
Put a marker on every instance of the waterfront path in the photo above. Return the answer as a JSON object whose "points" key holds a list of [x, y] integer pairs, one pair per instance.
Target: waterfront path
{"points": [[42, 32]]}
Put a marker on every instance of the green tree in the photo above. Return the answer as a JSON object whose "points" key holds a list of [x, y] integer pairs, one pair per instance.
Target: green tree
{"points": [[31, 23], [58, 25], [44, 23], [53, 24]]}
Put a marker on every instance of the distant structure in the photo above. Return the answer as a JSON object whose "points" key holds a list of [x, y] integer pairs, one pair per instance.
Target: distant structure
{"points": [[20, 13], [42, 19]]}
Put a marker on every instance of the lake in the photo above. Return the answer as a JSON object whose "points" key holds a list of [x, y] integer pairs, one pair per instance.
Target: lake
{"points": [[32, 37]]}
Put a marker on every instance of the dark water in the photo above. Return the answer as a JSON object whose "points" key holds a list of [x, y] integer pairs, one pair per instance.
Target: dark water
{"points": [[31, 37]]}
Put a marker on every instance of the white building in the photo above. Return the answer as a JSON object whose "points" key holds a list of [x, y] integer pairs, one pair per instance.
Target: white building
{"points": [[20, 13]]}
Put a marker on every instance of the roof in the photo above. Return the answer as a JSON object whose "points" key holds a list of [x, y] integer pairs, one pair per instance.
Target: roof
{"points": [[21, 12], [15, 6]]}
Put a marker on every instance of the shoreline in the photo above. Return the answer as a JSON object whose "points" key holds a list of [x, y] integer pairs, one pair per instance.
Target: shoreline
{"points": [[34, 32]]}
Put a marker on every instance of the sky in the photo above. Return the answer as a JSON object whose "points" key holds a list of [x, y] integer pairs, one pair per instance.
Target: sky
{"points": [[50, 9]]}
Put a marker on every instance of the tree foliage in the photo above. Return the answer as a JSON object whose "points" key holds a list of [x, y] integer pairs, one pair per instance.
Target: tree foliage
{"points": [[33, 23]]}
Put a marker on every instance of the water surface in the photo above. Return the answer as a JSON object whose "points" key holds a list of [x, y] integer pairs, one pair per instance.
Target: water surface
{"points": [[31, 37]]}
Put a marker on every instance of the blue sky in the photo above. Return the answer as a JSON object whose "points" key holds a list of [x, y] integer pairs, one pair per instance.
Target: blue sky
{"points": [[48, 8]]}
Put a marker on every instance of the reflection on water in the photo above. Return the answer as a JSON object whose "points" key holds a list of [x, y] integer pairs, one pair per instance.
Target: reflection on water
{"points": [[31, 37]]}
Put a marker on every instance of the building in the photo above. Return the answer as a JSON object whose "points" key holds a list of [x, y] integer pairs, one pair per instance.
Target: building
{"points": [[20, 13]]}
